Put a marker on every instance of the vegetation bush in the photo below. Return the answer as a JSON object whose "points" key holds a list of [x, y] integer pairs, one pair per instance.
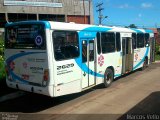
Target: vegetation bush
{"points": [[157, 49], [2, 68], [157, 57]]}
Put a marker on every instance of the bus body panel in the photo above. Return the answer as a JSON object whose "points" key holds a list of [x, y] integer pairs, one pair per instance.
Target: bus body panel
{"points": [[38, 71], [27, 67], [68, 88], [139, 56], [66, 73], [110, 60], [27, 71], [48, 91], [50, 57], [27, 57]]}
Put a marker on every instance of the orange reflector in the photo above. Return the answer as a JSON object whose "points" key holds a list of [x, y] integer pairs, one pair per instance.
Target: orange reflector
{"points": [[46, 75]]}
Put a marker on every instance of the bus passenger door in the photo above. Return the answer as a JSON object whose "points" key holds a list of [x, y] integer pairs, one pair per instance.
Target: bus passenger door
{"points": [[127, 58], [88, 60]]}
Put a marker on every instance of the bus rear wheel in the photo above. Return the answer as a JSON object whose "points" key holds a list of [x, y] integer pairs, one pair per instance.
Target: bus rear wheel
{"points": [[108, 78]]}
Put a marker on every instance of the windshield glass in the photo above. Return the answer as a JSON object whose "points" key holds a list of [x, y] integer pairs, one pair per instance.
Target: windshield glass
{"points": [[26, 36]]}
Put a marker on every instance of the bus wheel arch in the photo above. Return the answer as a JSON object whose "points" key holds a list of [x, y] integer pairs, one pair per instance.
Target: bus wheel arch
{"points": [[112, 68], [108, 76]]}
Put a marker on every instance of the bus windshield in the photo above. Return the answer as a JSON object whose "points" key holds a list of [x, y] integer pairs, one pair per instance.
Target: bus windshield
{"points": [[28, 36]]}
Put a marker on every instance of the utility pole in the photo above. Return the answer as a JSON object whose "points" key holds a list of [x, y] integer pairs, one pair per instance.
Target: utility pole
{"points": [[99, 6], [84, 11], [89, 11]]}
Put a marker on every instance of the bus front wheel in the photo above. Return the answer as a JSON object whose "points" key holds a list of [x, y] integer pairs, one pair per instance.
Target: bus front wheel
{"points": [[108, 77]]}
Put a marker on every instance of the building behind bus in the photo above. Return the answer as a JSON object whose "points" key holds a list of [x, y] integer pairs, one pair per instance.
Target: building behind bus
{"points": [[77, 11]]}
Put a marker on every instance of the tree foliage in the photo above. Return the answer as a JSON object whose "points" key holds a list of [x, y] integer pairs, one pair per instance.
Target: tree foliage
{"points": [[2, 68], [1, 48], [132, 26]]}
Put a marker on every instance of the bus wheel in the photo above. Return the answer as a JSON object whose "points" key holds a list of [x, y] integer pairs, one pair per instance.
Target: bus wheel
{"points": [[108, 77]]}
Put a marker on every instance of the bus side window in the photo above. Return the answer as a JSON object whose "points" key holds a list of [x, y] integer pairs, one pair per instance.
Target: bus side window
{"points": [[118, 42], [140, 40], [108, 42], [99, 42], [134, 40], [66, 45], [146, 39]]}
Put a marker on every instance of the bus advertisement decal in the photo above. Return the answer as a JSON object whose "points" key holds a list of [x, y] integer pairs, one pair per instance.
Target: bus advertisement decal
{"points": [[64, 69], [101, 60], [11, 66], [38, 40], [146, 54]]}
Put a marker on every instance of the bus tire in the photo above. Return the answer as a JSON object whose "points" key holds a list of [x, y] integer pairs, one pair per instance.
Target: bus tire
{"points": [[108, 77]]}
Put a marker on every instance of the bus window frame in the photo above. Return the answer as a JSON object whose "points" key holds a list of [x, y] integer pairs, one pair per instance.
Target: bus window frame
{"points": [[146, 40], [118, 38], [114, 50], [99, 45], [141, 40], [44, 47], [78, 45], [134, 41]]}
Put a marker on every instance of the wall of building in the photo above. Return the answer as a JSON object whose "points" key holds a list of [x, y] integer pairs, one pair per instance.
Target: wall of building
{"points": [[78, 19], [70, 11]]}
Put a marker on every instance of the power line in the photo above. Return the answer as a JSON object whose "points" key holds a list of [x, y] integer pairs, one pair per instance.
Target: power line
{"points": [[99, 6]]}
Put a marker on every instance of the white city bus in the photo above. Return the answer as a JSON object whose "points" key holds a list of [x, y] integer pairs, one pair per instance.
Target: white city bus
{"points": [[55, 59]]}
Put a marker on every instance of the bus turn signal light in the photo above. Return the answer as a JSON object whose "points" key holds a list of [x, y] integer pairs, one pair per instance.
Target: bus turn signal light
{"points": [[45, 77]]}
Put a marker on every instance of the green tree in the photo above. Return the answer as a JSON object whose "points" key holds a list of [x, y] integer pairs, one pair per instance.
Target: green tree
{"points": [[2, 69], [132, 26], [1, 48]]}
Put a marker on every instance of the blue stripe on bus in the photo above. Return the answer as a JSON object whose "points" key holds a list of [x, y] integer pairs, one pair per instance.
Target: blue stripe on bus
{"points": [[142, 61], [15, 77], [79, 62], [149, 31], [12, 58], [97, 29], [117, 75], [86, 69], [47, 24], [139, 31]]}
